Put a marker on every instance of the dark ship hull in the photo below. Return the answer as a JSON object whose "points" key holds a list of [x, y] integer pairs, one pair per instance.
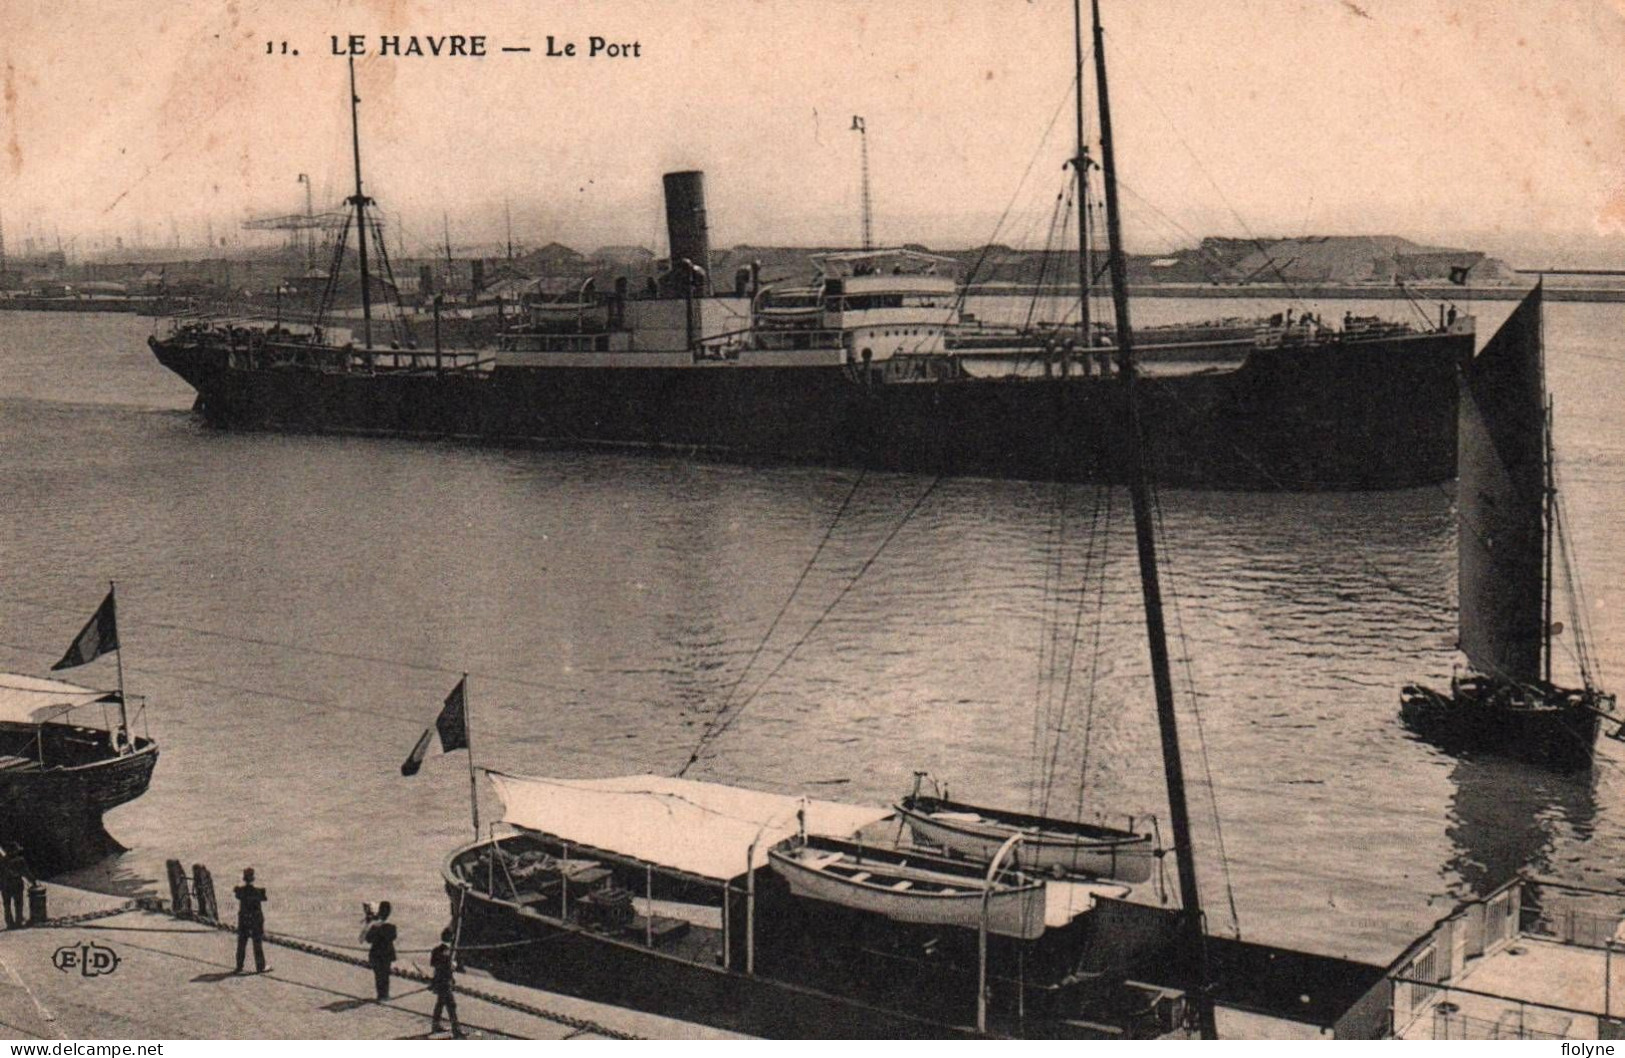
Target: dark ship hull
{"points": [[1347, 415], [1547, 727], [55, 811]]}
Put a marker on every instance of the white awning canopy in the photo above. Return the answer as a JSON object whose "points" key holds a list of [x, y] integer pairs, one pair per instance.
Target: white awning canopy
{"points": [[702, 828], [32, 700]]}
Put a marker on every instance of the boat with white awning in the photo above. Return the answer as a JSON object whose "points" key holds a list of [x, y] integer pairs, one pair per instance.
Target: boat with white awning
{"points": [[681, 897], [58, 775]]}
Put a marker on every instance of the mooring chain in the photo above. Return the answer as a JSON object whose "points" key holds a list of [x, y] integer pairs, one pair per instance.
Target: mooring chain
{"points": [[86, 916], [580, 1025], [321, 951]]}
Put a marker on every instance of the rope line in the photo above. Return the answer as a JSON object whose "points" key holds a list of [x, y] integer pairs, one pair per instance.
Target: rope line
{"points": [[1213, 183], [806, 570], [970, 276], [1045, 724], [1095, 655], [416, 666], [1095, 535], [1055, 543], [723, 727], [1196, 712]]}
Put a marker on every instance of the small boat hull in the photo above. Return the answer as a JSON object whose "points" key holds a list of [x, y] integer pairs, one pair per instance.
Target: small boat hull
{"points": [[1552, 727], [55, 811], [1047, 845], [909, 887]]}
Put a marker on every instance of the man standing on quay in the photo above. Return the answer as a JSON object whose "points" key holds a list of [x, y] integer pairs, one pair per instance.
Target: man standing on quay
{"points": [[442, 963], [378, 934], [15, 878], [250, 921]]}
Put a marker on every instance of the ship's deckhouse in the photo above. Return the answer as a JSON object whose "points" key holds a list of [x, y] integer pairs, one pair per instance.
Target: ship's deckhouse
{"points": [[873, 305]]}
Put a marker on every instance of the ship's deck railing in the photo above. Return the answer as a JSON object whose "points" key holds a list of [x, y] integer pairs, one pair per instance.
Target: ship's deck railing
{"points": [[1534, 959], [1456, 1012], [198, 319], [1449, 1023], [419, 361], [349, 359], [1298, 335], [1573, 914], [797, 339], [554, 342]]}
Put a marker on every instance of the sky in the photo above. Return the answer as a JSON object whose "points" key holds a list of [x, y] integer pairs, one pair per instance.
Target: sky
{"points": [[1483, 122]]}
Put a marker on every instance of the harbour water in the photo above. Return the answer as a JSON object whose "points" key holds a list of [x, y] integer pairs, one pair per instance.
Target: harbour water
{"points": [[294, 608]]}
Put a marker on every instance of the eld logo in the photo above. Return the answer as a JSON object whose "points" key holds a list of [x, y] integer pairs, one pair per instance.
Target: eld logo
{"points": [[91, 960]]}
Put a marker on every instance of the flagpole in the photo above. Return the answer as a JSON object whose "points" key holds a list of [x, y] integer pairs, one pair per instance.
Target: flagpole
{"points": [[473, 780], [123, 706]]}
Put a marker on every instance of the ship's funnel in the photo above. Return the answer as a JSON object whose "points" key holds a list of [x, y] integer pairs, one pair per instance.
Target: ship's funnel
{"points": [[687, 234]]}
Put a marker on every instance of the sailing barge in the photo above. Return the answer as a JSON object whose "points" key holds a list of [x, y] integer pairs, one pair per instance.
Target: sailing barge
{"points": [[873, 366], [57, 778], [1510, 534]]}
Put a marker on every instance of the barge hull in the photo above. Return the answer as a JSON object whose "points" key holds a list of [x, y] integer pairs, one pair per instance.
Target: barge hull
{"points": [[535, 951], [55, 813]]}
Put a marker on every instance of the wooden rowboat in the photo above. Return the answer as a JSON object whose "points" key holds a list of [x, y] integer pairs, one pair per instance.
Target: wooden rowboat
{"points": [[909, 886], [58, 777], [1047, 845]]}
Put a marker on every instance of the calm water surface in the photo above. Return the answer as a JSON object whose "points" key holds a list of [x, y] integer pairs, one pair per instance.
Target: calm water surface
{"points": [[294, 609]]}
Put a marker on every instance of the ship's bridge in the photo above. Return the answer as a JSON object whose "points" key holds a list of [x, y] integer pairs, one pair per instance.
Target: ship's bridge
{"points": [[896, 261], [873, 304]]}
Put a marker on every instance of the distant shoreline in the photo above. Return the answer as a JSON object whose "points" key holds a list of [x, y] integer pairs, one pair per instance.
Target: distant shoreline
{"points": [[1291, 295], [1331, 292]]}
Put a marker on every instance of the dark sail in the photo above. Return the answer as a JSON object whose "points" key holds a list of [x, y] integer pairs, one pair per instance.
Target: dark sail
{"points": [[1501, 499]]}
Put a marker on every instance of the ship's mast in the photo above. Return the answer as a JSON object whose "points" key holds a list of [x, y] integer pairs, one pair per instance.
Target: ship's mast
{"points": [[1144, 535], [862, 129], [1080, 166], [1551, 532], [360, 202], [1549, 508], [310, 225]]}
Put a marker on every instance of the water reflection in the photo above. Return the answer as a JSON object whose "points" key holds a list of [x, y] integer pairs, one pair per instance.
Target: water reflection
{"points": [[1506, 817]]}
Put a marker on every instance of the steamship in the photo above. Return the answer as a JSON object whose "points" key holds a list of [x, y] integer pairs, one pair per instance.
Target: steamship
{"points": [[872, 365]]}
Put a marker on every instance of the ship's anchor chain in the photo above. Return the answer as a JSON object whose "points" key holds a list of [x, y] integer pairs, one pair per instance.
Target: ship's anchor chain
{"points": [[580, 1025]]}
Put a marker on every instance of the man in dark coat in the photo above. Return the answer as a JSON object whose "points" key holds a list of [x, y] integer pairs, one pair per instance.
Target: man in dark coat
{"points": [[15, 877], [378, 933], [442, 985], [250, 921]]}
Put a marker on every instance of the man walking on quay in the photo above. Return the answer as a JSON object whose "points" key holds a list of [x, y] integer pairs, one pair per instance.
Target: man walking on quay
{"points": [[378, 934], [444, 988], [15, 877], [250, 921]]}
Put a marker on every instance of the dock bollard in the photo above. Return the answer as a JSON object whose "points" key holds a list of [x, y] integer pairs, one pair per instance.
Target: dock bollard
{"points": [[38, 913], [203, 889], [180, 893]]}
